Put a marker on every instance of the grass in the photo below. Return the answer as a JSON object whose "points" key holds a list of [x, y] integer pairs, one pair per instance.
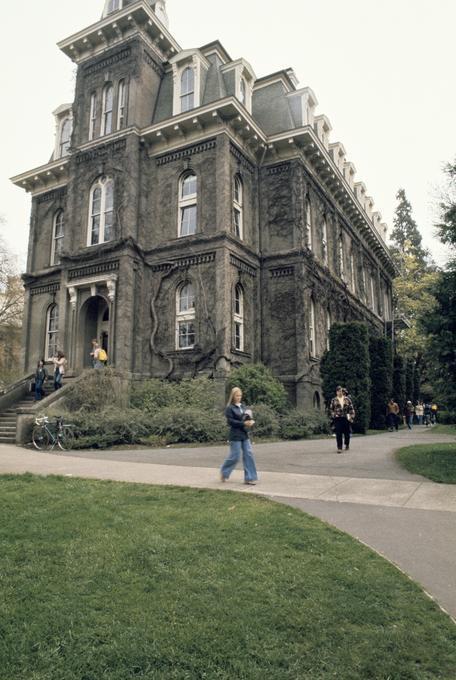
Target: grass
{"points": [[442, 429], [434, 461], [119, 581]]}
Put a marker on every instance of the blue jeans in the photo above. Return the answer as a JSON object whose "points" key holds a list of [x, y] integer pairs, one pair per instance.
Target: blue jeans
{"points": [[250, 472], [409, 422]]}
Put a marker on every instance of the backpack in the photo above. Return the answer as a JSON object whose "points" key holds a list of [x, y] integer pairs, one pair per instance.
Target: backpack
{"points": [[102, 356]]}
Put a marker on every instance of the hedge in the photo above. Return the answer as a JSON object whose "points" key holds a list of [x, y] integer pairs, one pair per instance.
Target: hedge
{"points": [[259, 386], [381, 375]]}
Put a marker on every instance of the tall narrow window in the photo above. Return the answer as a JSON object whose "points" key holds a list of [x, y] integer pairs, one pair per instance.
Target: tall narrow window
{"points": [[185, 317], [65, 136], [188, 204], [57, 237], [93, 115], [341, 259], [106, 123], [363, 280], [312, 331], [187, 94], [352, 273], [238, 210], [324, 241], [238, 318], [328, 328], [52, 332], [308, 225], [114, 5], [372, 292], [101, 212], [121, 106], [243, 92]]}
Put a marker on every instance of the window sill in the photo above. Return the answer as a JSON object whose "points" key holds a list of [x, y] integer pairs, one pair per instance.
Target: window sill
{"points": [[241, 353]]}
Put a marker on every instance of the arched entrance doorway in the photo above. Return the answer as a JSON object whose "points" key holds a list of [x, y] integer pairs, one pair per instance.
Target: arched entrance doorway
{"points": [[95, 318]]}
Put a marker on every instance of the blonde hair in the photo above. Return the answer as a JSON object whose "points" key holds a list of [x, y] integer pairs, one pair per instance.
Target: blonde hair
{"points": [[233, 392]]}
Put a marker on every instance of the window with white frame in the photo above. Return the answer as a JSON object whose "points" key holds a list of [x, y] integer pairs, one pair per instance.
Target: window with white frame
{"points": [[341, 259], [312, 331], [187, 92], [121, 105], [372, 292], [363, 280], [324, 241], [57, 237], [188, 204], [185, 317], [93, 115], [238, 207], [106, 119], [113, 6], [238, 318], [52, 332], [308, 225], [328, 328], [101, 212], [65, 137], [352, 273]]}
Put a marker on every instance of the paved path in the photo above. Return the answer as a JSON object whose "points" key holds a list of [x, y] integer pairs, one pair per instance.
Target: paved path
{"points": [[364, 492]]}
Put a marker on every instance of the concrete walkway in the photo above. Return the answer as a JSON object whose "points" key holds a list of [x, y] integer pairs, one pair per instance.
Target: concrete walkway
{"points": [[406, 518]]}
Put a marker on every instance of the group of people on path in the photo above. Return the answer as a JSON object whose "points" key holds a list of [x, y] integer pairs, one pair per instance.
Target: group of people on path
{"points": [[423, 413]]}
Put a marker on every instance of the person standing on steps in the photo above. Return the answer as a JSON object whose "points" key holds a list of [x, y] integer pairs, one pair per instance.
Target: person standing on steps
{"points": [[240, 422], [41, 375], [60, 363], [342, 413]]}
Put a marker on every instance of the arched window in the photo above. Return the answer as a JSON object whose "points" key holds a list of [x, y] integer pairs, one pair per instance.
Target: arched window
{"points": [[106, 121], [57, 237], [308, 225], [341, 258], [187, 94], [312, 331], [101, 212], [316, 401], [121, 105], [185, 317], [238, 318], [324, 241], [238, 209], [188, 204], [93, 115], [52, 331], [352, 273], [328, 327], [243, 92], [65, 136]]}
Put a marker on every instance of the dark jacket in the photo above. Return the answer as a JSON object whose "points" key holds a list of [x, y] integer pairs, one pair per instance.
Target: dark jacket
{"points": [[235, 420], [41, 375]]}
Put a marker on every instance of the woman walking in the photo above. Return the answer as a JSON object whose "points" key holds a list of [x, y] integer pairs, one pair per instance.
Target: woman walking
{"points": [[343, 413], [41, 376], [240, 421], [392, 415], [409, 412], [59, 369]]}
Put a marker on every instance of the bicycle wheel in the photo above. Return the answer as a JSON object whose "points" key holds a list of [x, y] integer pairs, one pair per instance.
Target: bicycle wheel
{"points": [[40, 438], [65, 439]]}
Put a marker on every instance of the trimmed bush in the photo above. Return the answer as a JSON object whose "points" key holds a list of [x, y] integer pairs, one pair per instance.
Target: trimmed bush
{"points": [[111, 427], [347, 364], [96, 390], [266, 421], [381, 374], [154, 394], [399, 381], [259, 386], [187, 425], [295, 425], [446, 417]]}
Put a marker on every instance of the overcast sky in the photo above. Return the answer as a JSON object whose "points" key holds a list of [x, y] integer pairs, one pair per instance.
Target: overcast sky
{"points": [[383, 73]]}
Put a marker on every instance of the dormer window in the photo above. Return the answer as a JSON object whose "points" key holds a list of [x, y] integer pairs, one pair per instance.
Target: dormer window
{"points": [[112, 6], [65, 136], [187, 95], [106, 121]]}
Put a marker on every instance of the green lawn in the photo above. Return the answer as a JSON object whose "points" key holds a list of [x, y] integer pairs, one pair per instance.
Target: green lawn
{"points": [[118, 581], [442, 429], [434, 461]]}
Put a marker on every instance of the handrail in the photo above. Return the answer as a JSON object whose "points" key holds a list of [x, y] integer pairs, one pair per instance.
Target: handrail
{"points": [[18, 383]]}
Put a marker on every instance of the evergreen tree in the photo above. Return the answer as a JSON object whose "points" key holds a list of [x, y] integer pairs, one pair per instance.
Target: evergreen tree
{"points": [[381, 374], [347, 364], [447, 227], [406, 235], [399, 381], [416, 383], [409, 368]]}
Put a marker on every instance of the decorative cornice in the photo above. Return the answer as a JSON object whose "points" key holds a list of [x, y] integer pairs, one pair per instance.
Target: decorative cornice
{"points": [[184, 262], [187, 151], [102, 151], [237, 153], [278, 169], [281, 272], [102, 64], [242, 266], [100, 268], [54, 195], [153, 64], [48, 288]]}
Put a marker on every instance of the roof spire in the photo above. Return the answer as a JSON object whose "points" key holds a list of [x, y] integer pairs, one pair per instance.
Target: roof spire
{"points": [[159, 7]]}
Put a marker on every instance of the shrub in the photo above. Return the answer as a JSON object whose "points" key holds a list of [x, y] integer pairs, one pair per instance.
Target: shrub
{"points": [[266, 421], [295, 425], [154, 394], [347, 364], [259, 386], [318, 423], [446, 417], [109, 427], [96, 390], [381, 374], [399, 381], [186, 425]]}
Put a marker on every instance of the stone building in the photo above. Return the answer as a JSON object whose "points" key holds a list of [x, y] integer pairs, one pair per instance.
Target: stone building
{"points": [[194, 217]]}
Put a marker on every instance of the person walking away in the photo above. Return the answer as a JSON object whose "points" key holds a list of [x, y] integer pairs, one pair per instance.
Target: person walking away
{"points": [[427, 414], [434, 409], [41, 375], [342, 413], [60, 363], [98, 354], [392, 415], [240, 421], [409, 413], [419, 412]]}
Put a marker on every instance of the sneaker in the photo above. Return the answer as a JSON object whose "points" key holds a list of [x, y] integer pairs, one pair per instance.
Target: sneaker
{"points": [[347, 448], [222, 478], [339, 450], [251, 482]]}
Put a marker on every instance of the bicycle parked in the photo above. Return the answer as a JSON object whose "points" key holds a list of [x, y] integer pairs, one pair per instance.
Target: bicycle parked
{"points": [[47, 434]]}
